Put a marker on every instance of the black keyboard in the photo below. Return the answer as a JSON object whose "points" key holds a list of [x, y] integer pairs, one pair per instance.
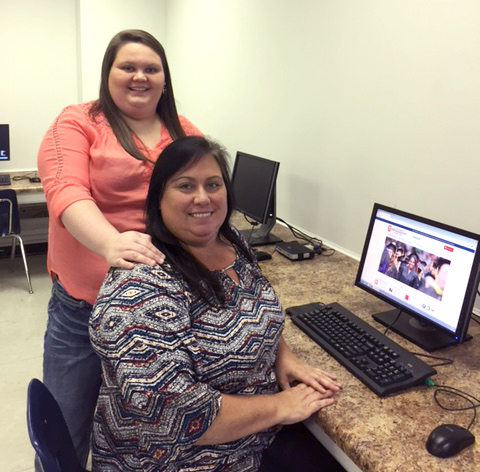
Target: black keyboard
{"points": [[377, 361], [5, 179]]}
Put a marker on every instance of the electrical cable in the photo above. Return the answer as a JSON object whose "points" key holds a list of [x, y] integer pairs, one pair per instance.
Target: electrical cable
{"points": [[445, 360], [392, 323], [24, 176], [446, 389], [316, 243], [253, 224]]}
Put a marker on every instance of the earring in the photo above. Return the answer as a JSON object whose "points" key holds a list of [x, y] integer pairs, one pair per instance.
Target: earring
{"points": [[164, 89]]}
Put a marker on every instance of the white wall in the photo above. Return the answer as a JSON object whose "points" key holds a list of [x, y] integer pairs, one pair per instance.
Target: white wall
{"points": [[39, 72], [361, 101]]}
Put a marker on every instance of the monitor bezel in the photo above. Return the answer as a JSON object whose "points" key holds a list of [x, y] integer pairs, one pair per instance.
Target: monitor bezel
{"points": [[460, 333], [269, 209]]}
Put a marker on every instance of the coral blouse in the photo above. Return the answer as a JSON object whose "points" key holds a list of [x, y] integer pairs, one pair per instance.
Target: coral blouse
{"points": [[81, 159]]}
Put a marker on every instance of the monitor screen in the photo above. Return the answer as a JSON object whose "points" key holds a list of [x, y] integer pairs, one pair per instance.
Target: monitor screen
{"points": [[4, 143], [427, 270], [253, 181]]}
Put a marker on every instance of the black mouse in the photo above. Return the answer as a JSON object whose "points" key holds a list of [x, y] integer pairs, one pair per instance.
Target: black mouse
{"points": [[448, 440], [262, 255], [34, 180]]}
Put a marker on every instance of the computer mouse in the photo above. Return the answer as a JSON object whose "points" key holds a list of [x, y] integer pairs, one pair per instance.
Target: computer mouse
{"points": [[447, 440], [262, 255], [34, 180]]}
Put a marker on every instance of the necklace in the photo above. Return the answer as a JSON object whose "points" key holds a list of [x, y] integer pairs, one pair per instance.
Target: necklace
{"points": [[228, 267]]}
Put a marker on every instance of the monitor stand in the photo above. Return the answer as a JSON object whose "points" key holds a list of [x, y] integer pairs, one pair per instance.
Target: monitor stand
{"points": [[261, 236], [423, 335]]}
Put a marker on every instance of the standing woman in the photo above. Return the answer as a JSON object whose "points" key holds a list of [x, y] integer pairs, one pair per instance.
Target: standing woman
{"points": [[95, 162]]}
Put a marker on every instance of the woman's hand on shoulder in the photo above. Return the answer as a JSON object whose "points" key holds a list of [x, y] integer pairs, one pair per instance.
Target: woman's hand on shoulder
{"points": [[123, 249]]}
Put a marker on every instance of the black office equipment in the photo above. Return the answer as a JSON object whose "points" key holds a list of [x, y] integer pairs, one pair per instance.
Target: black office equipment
{"points": [[262, 255], [294, 251], [4, 143], [5, 179], [377, 361], [433, 284], [448, 440], [4, 152], [253, 181]]}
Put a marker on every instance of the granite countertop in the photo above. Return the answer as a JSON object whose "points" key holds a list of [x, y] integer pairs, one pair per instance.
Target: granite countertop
{"points": [[378, 434], [24, 185]]}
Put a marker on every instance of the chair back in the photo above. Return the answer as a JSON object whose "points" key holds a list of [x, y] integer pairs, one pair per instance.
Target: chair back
{"points": [[48, 431], [9, 215]]}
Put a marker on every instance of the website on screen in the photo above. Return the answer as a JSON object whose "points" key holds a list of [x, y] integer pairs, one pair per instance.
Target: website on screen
{"points": [[420, 266]]}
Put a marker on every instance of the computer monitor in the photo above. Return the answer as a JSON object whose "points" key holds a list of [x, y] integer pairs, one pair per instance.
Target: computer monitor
{"points": [[4, 143], [427, 270], [253, 181]]}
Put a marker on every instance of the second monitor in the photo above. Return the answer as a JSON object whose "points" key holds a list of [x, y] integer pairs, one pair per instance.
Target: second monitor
{"points": [[253, 181]]}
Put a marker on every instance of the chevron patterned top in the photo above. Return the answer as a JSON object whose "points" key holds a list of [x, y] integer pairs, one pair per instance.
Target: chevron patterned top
{"points": [[167, 356]]}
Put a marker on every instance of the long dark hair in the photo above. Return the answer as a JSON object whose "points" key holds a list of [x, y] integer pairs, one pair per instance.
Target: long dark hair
{"points": [[176, 156], [166, 108]]}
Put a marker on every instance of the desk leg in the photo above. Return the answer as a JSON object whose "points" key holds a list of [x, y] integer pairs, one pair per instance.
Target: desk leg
{"points": [[330, 446]]}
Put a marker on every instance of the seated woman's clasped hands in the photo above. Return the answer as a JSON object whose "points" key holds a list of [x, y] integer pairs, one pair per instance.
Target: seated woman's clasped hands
{"points": [[195, 372]]}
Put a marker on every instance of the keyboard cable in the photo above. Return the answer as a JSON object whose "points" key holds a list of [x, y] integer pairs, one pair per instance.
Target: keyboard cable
{"points": [[444, 360]]}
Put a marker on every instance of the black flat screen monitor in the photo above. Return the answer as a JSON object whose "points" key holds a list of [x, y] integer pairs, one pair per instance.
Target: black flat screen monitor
{"points": [[253, 181], [4, 143], [428, 271]]}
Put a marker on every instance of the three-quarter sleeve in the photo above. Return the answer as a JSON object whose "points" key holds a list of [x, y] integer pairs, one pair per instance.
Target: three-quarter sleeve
{"points": [[140, 327], [63, 161]]}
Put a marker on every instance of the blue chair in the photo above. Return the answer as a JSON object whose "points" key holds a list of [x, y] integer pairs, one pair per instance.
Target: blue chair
{"points": [[10, 226], [48, 431]]}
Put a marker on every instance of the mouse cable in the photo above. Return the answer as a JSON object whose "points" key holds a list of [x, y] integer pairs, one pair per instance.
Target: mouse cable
{"points": [[315, 242], [25, 176], [446, 389], [445, 360]]}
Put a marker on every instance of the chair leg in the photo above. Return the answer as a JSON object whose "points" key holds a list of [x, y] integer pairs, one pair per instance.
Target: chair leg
{"points": [[30, 289], [12, 253]]}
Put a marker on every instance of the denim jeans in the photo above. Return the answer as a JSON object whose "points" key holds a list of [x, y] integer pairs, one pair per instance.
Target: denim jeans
{"points": [[71, 369]]}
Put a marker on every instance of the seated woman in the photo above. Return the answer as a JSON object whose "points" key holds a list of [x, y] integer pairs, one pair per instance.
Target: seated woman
{"points": [[192, 352]]}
